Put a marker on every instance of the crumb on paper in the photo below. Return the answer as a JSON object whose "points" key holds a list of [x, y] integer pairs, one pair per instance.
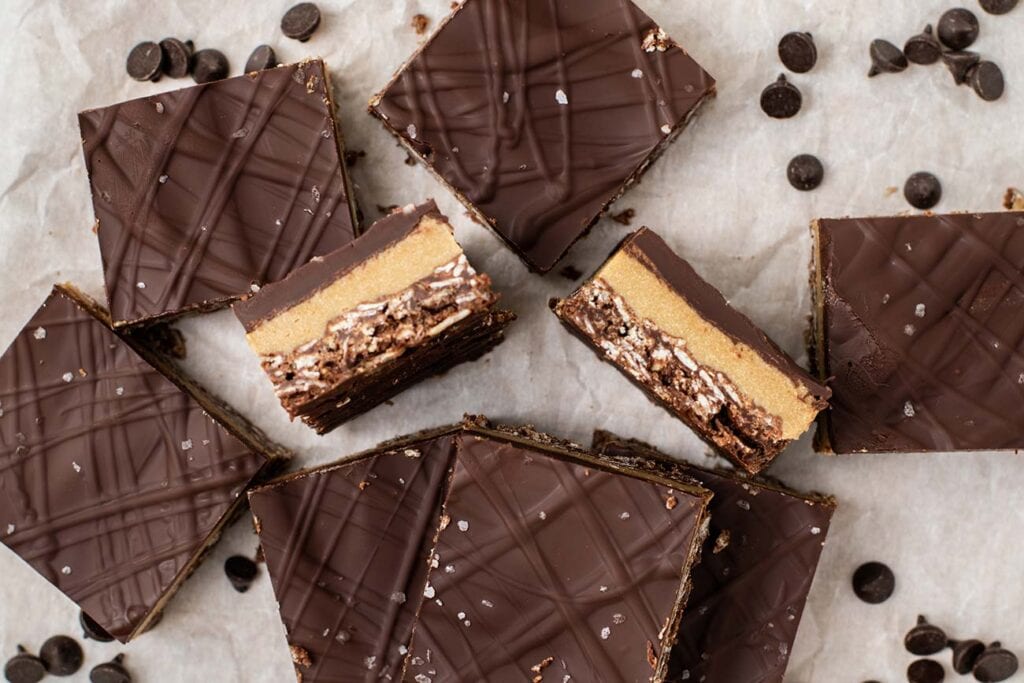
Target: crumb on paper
{"points": [[352, 157], [1013, 200], [420, 23], [409, 160], [571, 272], [624, 217], [891, 190]]}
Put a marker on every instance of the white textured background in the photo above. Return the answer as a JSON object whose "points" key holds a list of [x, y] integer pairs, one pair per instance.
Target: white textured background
{"points": [[950, 525]]}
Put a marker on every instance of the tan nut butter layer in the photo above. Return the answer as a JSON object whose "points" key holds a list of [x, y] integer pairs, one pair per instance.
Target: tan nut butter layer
{"points": [[759, 381], [430, 245]]}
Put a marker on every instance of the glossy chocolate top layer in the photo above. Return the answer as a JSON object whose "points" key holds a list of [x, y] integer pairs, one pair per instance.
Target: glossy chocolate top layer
{"points": [[305, 281], [538, 113], [113, 479], [924, 332], [755, 573], [201, 192]]}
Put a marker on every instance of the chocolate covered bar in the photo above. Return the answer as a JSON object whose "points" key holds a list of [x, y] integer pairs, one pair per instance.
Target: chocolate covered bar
{"points": [[115, 482], [538, 115], [652, 316], [348, 331], [919, 327], [202, 193], [755, 574]]}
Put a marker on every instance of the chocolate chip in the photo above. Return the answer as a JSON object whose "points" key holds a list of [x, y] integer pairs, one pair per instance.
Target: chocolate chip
{"points": [[301, 21], [262, 57], [873, 582], [925, 671], [886, 58], [144, 62], [110, 672], [92, 630], [781, 99], [960, 64], [805, 172], [61, 655], [998, 6], [798, 52], [995, 664], [924, 48], [923, 190], [177, 57], [925, 639], [24, 668], [240, 572], [958, 28], [965, 654], [209, 65], [987, 80]]}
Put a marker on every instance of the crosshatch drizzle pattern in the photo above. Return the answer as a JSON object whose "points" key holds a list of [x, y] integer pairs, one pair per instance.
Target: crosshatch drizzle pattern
{"points": [[111, 479]]}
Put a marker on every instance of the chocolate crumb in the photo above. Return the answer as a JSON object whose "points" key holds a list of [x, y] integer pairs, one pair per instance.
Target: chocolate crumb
{"points": [[420, 23], [652, 656], [410, 160], [624, 217], [352, 157], [1013, 200], [571, 272], [300, 656]]}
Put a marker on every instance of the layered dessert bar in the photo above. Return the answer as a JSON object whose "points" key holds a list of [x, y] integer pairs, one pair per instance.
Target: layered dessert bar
{"points": [[755, 574], [919, 326], [348, 331], [204, 192], [652, 316], [115, 481], [538, 115]]}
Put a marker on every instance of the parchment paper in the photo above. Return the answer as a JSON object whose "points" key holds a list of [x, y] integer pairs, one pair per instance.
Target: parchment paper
{"points": [[951, 526]]}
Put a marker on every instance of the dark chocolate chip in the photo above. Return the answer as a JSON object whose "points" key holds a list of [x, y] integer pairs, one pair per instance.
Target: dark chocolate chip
{"points": [[301, 21], [886, 58], [923, 190], [925, 639], [998, 6], [925, 671], [262, 57], [960, 64], [61, 655], [177, 57], [110, 672], [92, 630], [24, 668], [240, 571], [209, 65], [987, 80], [995, 664], [798, 52], [144, 61], [924, 48], [805, 172], [781, 99], [874, 582], [958, 28], [965, 654]]}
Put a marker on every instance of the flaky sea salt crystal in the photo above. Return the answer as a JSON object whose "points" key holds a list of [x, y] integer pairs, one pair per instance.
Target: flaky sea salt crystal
{"points": [[40, 333], [909, 330], [624, 516], [919, 310], [908, 409], [815, 530], [606, 633], [67, 377], [463, 525], [428, 591], [76, 467], [411, 130], [398, 596], [561, 97], [186, 444], [636, 73], [65, 570]]}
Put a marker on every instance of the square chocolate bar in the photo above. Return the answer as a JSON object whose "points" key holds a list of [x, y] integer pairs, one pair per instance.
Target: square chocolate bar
{"points": [[115, 481], [202, 193], [919, 329], [540, 114]]}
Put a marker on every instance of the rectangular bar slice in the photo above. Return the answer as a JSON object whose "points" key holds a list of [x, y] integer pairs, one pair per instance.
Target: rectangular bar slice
{"points": [[201, 193], [539, 114], [114, 481], [347, 331], [652, 316], [755, 574], [919, 328]]}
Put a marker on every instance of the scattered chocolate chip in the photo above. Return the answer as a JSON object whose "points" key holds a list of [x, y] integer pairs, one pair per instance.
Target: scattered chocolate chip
{"points": [[241, 572], [924, 48], [987, 80], [301, 21], [995, 664], [925, 639], [209, 65], [998, 6], [805, 172], [923, 190], [960, 64], [420, 24], [110, 672], [624, 217], [874, 582], [886, 58], [571, 272], [61, 655], [144, 61], [781, 99], [965, 654], [263, 57], [24, 668], [177, 57], [798, 52], [958, 28], [91, 629], [925, 671]]}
